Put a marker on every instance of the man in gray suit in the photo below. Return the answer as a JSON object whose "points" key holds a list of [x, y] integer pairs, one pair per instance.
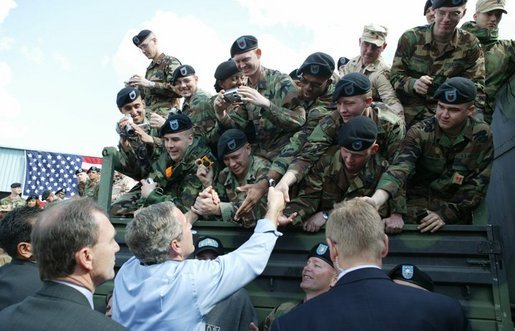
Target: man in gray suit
{"points": [[74, 245]]}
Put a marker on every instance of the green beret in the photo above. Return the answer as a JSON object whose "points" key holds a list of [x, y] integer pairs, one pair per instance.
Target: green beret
{"points": [[15, 185], [209, 244], [412, 274], [317, 64], [321, 250], [79, 171], [182, 71], [243, 44], [176, 123], [358, 134], [448, 3], [140, 37], [230, 141], [456, 91], [126, 95], [93, 168], [350, 85]]}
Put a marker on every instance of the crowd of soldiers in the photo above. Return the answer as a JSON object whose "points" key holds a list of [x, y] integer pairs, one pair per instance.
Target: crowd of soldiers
{"points": [[422, 154]]}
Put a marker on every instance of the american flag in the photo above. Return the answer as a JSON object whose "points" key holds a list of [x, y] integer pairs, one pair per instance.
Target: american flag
{"points": [[52, 171]]}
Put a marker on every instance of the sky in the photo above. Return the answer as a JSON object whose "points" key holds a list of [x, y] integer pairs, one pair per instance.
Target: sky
{"points": [[62, 62]]}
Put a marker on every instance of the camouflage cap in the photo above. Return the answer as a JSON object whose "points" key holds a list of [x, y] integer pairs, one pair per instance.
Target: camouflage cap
{"points": [[485, 6], [358, 134], [226, 69], [176, 123], [209, 244], [456, 90], [321, 250], [350, 85], [79, 171], [15, 185], [126, 95], [448, 3], [318, 64], [429, 4], [244, 44], [182, 71], [93, 168], [374, 34], [412, 274], [230, 141], [140, 37]]}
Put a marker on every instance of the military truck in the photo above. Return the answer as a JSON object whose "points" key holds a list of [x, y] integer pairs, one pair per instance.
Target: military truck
{"points": [[468, 262]]}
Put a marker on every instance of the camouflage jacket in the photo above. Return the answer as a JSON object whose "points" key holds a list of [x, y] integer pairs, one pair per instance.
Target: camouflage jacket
{"points": [[199, 108], [162, 96], [81, 187], [232, 199], [451, 176], [328, 183], [277, 312], [391, 131], [379, 75], [16, 202], [269, 129], [315, 111], [499, 62], [135, 159], [178, 182], [91, 189], [417, 55]]}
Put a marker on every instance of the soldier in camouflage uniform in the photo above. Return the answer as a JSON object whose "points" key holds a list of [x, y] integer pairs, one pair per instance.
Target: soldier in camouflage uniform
{"points": [[156, 88], [499, 54], [344, 172], [445, 162], [92, 186], [14, 199], [241, 168], [427, 55], [370, 63], [317, 276], [197, 103], [429, 12], [172, 176], [82, 181]]}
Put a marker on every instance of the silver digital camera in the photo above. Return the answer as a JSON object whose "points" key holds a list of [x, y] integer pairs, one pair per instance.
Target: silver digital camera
{"points": [[231, 95]]}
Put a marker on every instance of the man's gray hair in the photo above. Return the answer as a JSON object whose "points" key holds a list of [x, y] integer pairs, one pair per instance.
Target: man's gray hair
{"points": [[149, 234]]}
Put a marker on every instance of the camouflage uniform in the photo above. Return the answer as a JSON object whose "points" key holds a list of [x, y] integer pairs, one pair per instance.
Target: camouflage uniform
{"points": [[379, 75], [200, 110], [417, 55], [499, 62], [81, 188], [328, 183], [227, 183], [16, 202], [390, 127], [269, 129], [161, 97], [91, 189], [449, 178], [181, 186], [277, 312]]}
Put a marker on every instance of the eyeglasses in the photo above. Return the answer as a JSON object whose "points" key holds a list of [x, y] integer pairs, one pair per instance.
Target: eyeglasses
{"points": [[455, 15], [313, 84]]}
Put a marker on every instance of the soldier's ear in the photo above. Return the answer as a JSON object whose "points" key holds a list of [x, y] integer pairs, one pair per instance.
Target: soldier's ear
{"points": [[258, 53], [24, 250], [374, 148]]}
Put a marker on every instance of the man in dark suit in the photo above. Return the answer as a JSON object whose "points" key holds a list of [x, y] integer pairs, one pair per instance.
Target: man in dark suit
{"points": [[365, 298], [74, 245], [20, 277]]}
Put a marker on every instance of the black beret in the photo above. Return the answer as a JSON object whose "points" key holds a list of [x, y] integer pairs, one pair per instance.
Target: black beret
{"points": [[230, 141], [32, 197], [183, 71], [15, 185], [45, 194], [226, 69], [428, 4], [456, 90], [410, 273], [126, 95], [293, 74], [140, 37], [93, 168], [60, 190], [209, 244], [342, 60], [350, 85], [317, 64], [448, 3], [243, 44], [79, 171], [321, 250], [358, 134], [176, 123]]}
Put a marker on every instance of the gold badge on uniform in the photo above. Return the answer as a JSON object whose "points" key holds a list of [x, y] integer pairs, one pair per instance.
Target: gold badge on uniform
{"points": [[457, 178]]}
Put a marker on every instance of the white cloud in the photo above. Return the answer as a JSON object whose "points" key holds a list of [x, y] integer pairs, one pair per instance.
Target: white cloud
{"points": [[33, 54], [6, 43], [10, 106], [62, 60], [5, 8]]}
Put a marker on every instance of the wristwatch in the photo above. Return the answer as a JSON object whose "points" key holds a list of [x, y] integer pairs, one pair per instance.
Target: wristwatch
{"points": [[271, 182], [325, 215]]}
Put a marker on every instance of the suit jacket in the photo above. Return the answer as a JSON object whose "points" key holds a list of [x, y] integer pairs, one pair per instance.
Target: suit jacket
{"points": [[367, 300], [18, 280], [55, 307]]}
